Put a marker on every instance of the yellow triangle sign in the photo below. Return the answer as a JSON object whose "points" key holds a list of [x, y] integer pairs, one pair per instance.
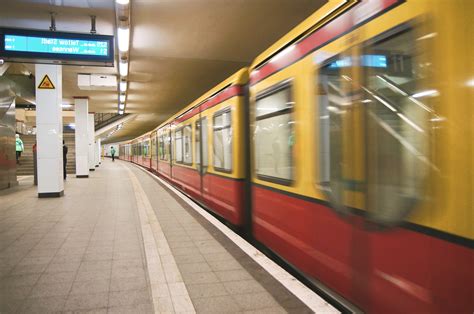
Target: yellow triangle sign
{"points": [[46, 83]]}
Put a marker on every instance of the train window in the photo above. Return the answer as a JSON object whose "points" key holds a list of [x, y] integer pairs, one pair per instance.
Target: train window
{"points": [[222, 144], [161, 147], [334, 95], [197, 141], [274, 135], [204, 141], [167, 139], [154, 146], [187, 145], [178, 145], [146, 148], [398, 114], [201, 126]]}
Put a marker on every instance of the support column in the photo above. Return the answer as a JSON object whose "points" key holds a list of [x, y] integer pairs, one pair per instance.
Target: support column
{"points": [[81, 113], [90, 136], [49, 130], [99, 151], [96, 152]]}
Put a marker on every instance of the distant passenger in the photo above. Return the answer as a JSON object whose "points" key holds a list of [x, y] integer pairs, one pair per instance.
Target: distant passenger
{"points": [[19, 148], [64, 159], [112, 152]]}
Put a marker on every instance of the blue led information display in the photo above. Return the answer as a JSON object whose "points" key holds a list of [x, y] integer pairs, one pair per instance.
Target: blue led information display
{"points": [[373, 61], [56, 45], [37, 46]]}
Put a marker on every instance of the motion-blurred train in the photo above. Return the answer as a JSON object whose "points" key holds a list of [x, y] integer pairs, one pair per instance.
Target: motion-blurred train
{"points": [[345, 150]]}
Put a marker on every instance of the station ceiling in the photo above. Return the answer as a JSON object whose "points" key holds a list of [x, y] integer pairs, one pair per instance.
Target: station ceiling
{"points": [[179, 48]]}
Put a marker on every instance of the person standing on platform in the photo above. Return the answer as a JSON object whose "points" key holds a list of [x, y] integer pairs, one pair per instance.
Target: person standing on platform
{"points": [[19, 148], [64, 159], [112, 152]]}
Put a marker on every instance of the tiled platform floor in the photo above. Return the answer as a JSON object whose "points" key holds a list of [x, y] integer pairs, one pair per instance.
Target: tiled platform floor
{"points": [[85, 252]]}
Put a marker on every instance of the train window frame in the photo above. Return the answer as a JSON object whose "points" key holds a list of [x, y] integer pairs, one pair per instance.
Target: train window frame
{"points": [[168, 147], [199, 136], [214, 129], [287, 84], [190, 139], [181, 144], [161, 147], [374, 214]]}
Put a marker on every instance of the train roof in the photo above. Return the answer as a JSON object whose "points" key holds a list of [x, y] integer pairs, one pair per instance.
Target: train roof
{"points": [[241, 77], [326, 13]]}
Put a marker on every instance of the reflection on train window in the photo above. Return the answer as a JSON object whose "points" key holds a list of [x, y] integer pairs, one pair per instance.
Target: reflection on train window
{"points": [[154, 146], [396, 98], [222, 141], [161, 147], [178, 146], [334, 95], [201, 126], [274, 135], [167, 138], [187, 145], [197, 141], [146, 150]]}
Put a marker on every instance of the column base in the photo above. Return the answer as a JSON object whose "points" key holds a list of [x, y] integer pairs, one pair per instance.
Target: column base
{"points": [[51, 194], [82, 176]]}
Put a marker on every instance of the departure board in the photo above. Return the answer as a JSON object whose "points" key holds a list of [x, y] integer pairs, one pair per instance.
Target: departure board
{"points": [[56, 47]]}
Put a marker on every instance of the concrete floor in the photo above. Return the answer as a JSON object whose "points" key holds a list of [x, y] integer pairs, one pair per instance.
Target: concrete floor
{"points": [[121, 242]]}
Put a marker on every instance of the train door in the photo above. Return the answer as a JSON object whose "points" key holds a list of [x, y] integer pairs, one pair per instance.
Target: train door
{"points": [[202, 156]]}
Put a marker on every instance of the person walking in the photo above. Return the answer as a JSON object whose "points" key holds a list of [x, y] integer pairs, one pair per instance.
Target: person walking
{"points": [[19, 148], [64, 159], [112, 152]]}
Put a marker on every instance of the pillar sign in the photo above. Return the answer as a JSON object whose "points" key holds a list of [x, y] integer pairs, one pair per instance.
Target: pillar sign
{"points": [[49, 130]]}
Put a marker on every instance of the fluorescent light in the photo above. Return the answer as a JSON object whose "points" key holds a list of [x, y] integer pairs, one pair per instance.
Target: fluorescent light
{"points": [[123, 35], [121, 106], [123, 87], [430, 92], [122, 98], [123, 68], [123, 2], [120, 112], [66, 105]]}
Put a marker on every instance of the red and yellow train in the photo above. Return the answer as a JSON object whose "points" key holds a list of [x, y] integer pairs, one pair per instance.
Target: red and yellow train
{"points": [[345, 150]]}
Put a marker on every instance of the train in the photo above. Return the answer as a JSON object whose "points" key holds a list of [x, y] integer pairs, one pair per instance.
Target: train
{"points": [[345, 151]]}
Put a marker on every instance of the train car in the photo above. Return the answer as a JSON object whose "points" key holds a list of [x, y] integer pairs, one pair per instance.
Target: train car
{"points": [[209, 130], [125, 151], [362, 153]]}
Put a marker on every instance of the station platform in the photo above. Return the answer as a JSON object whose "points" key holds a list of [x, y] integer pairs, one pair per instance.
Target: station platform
{"points": [[123, 241]]}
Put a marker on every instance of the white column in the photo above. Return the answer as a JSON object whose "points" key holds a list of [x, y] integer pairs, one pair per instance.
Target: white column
{"points": [[90, 136], [96, 152], [99, 150], [49, 128], [81, 113]]}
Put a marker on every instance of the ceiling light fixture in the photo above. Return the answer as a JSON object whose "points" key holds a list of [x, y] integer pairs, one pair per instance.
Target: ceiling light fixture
{"points": [[123, 68], [122, 2], [121, 106], [123, 86], [123, 38], [122, 98], [120, 112]]}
